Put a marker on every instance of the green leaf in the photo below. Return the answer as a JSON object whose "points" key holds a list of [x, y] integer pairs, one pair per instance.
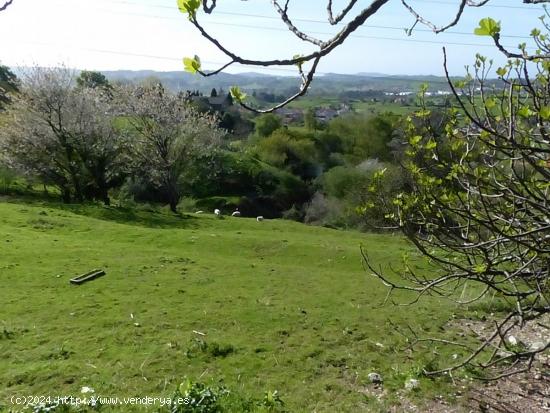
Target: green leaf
{"points": [[189, 7], [192, 65], [488, 27], [480, 268], [544, 112], [237, 94], [380, 173], [431, 144], [501, 71], [301, 62], [424, 113], [525, 112], [415, 140], [490, 103]]}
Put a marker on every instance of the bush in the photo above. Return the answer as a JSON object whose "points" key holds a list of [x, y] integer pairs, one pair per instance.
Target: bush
{"points": [[198, 398], [7, 177], [341, 181], [267, 124], [294, 152], [365, 136], [322, 210], [216, 398], [294, 213], [187, 205], [282, 188]]}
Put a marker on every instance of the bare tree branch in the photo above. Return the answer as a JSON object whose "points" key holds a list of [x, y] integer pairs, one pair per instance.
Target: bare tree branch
{"points": [[6, 4], [325, 46]]}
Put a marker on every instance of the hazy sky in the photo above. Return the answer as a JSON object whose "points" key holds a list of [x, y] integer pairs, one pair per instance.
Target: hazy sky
{"points": [[153, 34]]}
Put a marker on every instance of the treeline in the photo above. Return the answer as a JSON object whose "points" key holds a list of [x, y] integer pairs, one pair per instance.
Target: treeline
{"points": [[94, 141]]}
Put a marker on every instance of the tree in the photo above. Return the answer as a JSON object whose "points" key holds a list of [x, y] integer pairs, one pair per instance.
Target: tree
{"points": [[8, 84], [366, 136], [267, 124], [310, 122], [65, 136], [286, 150], [213, 93], [93, 80], [169, 135], [480, 202], [306, 64]]}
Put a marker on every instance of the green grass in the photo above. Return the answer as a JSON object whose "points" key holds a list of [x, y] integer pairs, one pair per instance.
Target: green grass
{"points": [[381, 107], [311, 102], [359, 106], [283, 306]]}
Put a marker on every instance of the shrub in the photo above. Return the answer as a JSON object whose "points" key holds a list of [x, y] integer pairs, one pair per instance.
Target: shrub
{"points": [[267, 124], [294, 213], [214, 349], [198, 398], [322, 210], [341, 181], [187, 205], [7, 177]]}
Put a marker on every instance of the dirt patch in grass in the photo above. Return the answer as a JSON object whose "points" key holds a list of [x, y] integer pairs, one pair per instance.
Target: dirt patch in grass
{"points": [[523, 392], [526, 392]]}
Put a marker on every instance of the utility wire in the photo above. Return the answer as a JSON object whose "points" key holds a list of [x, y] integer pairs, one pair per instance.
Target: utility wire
{"points": [[450, 3], [490, 5], [175, 59], [353, 35], [308, 20]]}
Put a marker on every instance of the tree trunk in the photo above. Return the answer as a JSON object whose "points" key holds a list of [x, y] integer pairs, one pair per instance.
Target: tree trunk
{"points": [[105, 197], [173, 194], [173, 204], [66, 194]]}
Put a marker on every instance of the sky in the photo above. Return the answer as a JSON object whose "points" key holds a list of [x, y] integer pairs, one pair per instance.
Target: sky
{"points": [[153, 34]]}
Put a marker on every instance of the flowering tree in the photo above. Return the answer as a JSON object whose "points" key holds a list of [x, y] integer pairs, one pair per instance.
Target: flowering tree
{"points": [[63, 135], [169, 135]]}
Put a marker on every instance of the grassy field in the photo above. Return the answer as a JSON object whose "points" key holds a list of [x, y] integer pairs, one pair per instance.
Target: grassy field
{"points": [[280, 305], [364, 107], [381, 107]]}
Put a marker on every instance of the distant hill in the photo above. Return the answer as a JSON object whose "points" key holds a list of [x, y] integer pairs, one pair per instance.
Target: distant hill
{"points": [[331, 83]]}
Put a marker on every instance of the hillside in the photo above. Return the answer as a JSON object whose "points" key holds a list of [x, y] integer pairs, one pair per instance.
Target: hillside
{"points": [[330, 84], [271, 305]]}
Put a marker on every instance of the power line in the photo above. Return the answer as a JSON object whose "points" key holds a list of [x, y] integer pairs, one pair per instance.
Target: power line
{"points": [[496, 6], [175, 59], [362, 36], [308, 20], [450, 3], [353, 35]]}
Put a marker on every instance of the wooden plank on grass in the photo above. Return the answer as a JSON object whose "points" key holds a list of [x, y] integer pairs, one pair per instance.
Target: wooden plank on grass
{"points": [[87, 276]]}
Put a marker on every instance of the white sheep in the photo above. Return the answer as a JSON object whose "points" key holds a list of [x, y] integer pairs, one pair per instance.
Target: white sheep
{"points": [[236, 213], [260, 218], [217, 212]]}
